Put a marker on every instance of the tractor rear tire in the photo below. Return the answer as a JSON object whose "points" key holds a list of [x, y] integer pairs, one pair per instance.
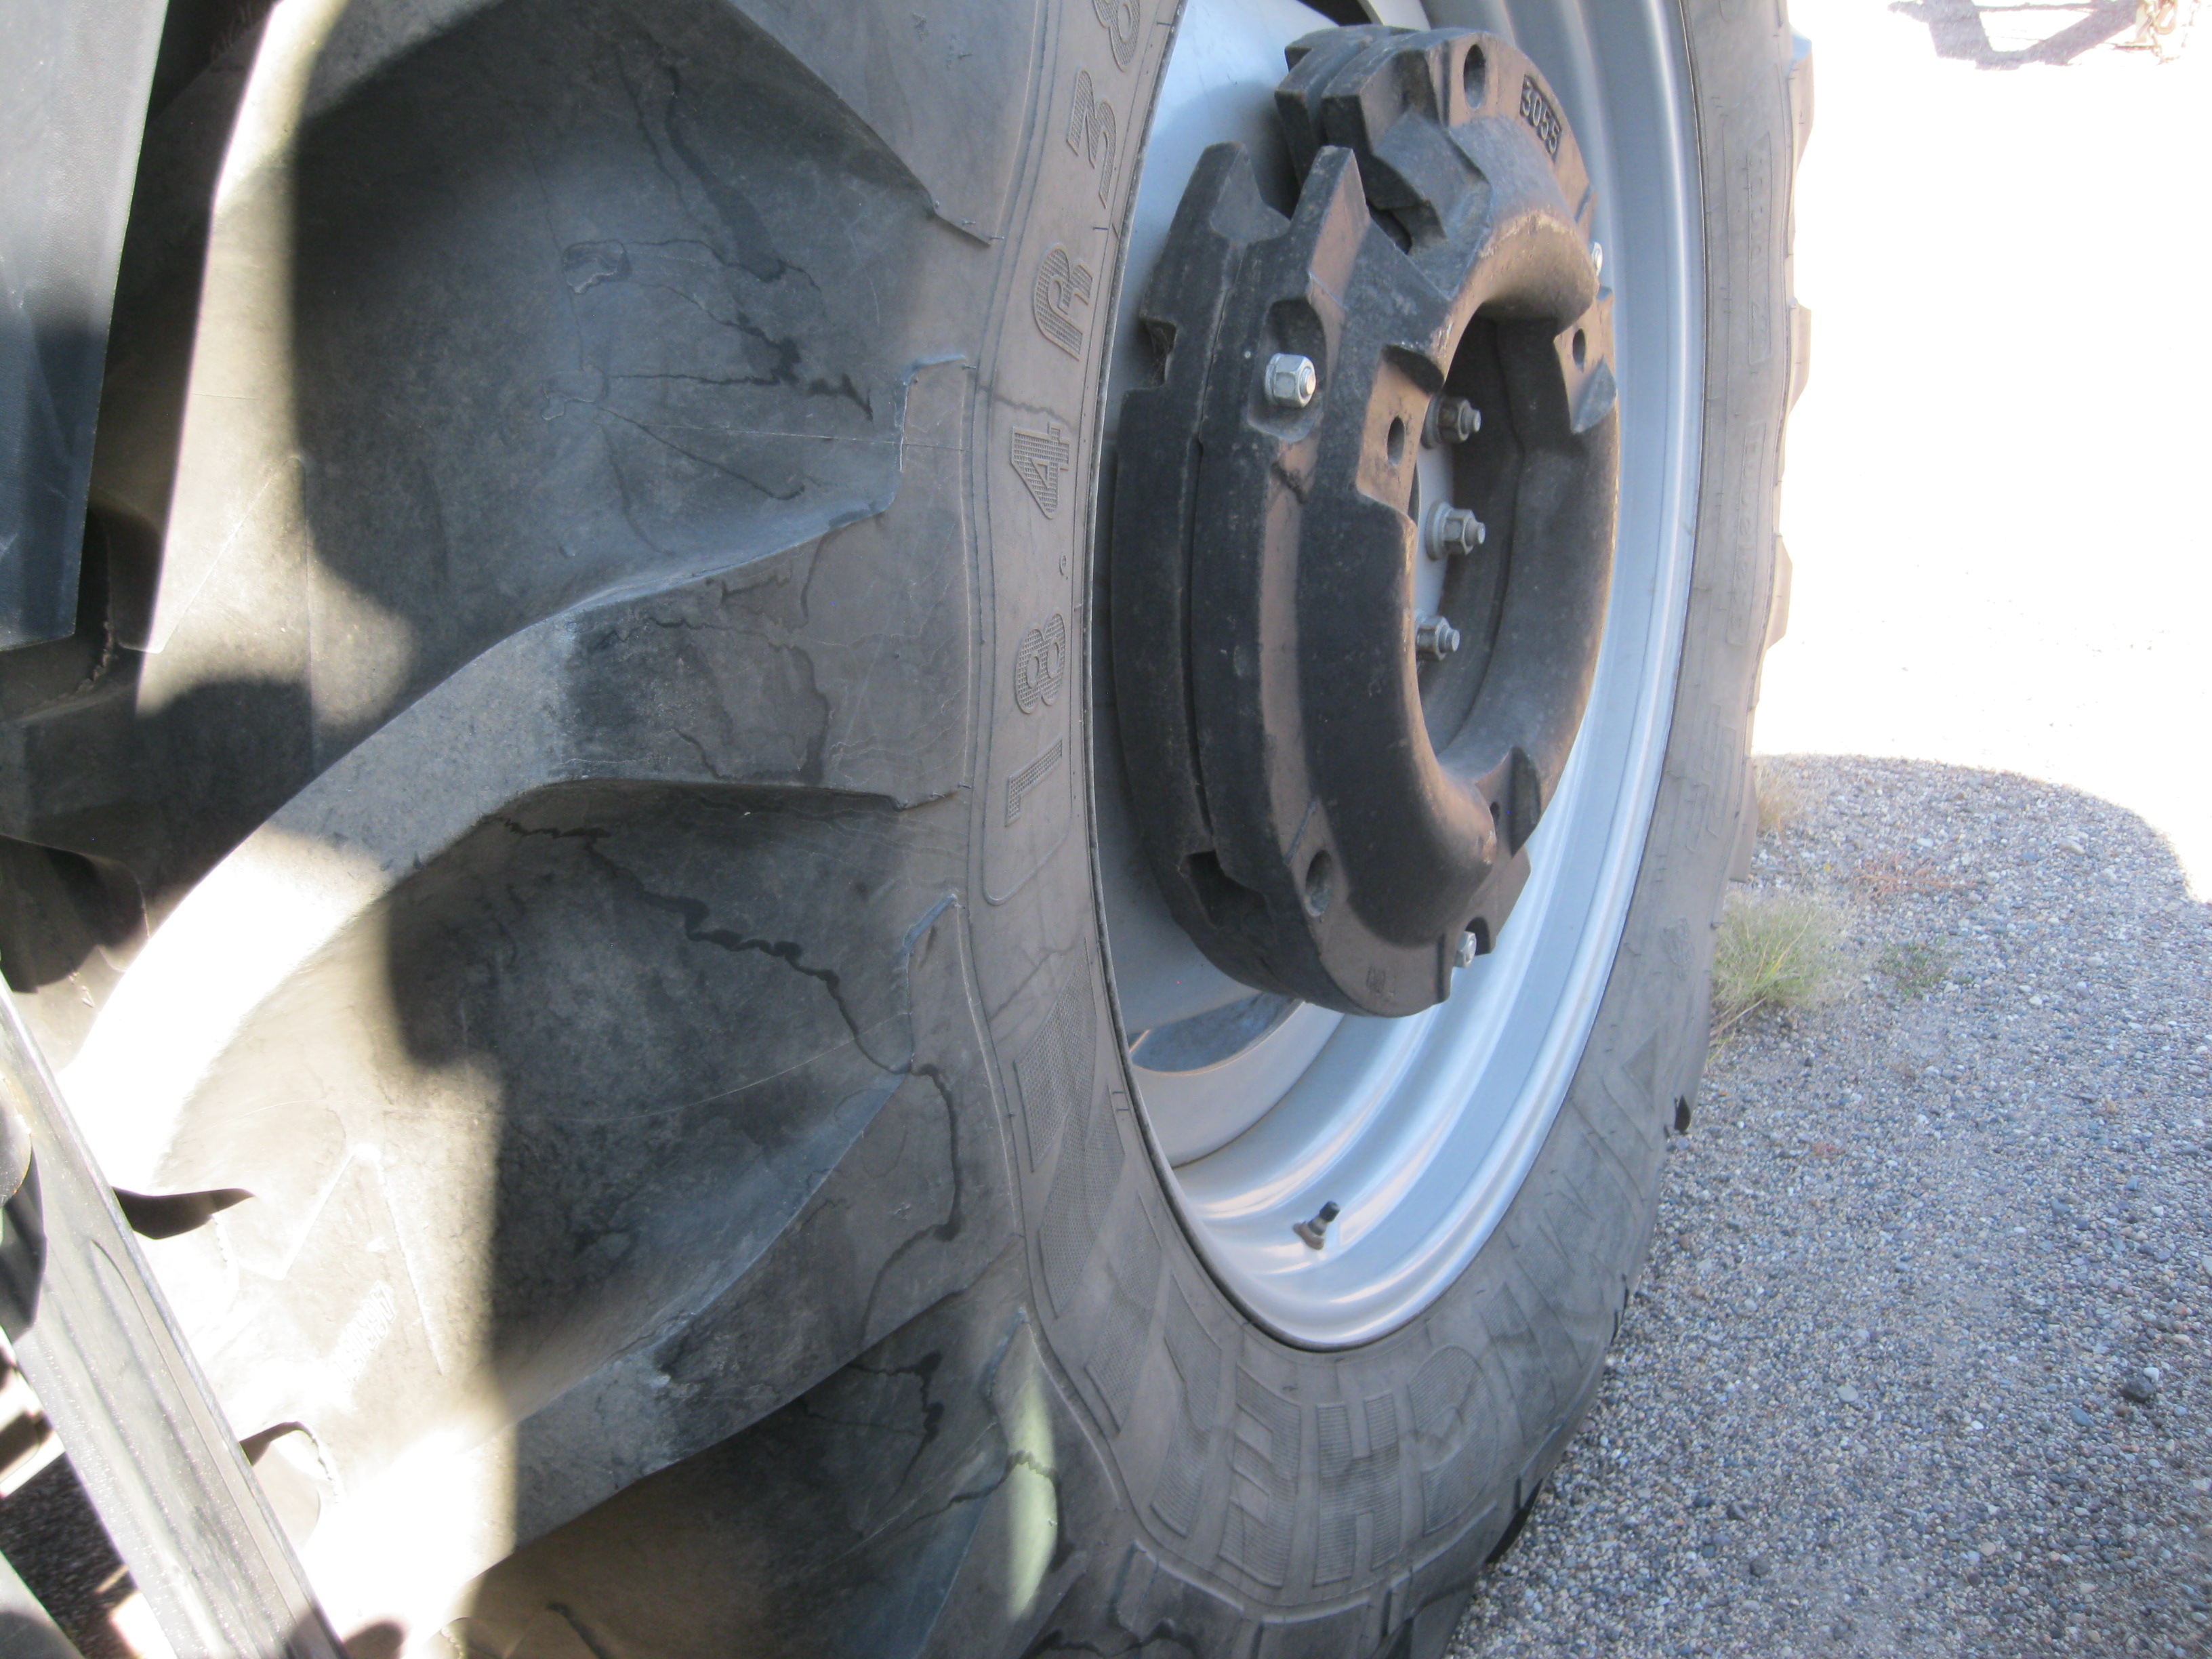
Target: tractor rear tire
{"points": [[601, 518]]}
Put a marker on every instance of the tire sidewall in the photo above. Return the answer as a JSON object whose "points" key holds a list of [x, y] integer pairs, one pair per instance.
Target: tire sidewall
{"points": [[1252, 1481]]}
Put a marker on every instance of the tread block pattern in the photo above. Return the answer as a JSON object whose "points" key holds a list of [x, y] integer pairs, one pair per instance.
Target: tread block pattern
{"points": [[1055, 1070], [1082, 1191], [1353, 1487], [1442, 1395], [1778, 606], [1132, 1291], [1135, 1608], [1169, 1614], [1263, 1502], [1801, 349], [1196, 1359], [1800, 83], [944, 88]]}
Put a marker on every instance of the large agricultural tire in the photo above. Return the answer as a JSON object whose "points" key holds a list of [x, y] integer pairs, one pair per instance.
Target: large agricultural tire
{"points": [[565, 862]]}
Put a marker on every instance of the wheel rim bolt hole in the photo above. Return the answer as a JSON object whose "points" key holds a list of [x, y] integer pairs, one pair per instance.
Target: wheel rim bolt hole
{"points": [[1320, 884]]}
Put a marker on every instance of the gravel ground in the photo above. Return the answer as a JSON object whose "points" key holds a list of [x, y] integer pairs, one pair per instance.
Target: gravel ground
{"points": [[1920, 1363]]}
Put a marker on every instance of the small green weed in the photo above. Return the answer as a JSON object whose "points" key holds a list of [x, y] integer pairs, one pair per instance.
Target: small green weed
{"points": [[1775, 950], [1915, 968]]}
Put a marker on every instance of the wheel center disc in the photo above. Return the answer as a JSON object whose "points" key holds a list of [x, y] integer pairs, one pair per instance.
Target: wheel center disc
{"points": [[1266, 1108]]}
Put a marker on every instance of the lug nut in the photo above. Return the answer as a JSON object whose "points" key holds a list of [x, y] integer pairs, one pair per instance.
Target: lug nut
{"points": [[1451, 421], [1292, 380], [1315, 1232], [1465, 954], [1455, 532], [1434, 638]]}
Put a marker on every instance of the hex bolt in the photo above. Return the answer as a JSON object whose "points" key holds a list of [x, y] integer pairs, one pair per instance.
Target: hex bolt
{"points": [[1315, 1232], [1434, 638], [1454, 532], [1292, 380], [1464, 954], [1451, 421]]}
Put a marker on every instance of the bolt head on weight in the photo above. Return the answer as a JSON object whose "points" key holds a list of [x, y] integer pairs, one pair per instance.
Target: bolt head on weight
{"points": [[1455, 532], [1292, 380], [1434, 638]]}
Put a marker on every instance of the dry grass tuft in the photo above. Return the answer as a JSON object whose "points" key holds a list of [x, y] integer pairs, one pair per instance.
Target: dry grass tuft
{"points": [[1775, 950], [1781, 802]]}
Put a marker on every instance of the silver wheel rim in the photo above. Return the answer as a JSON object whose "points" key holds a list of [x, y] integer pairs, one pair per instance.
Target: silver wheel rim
{"points": [[1420, 1131]]}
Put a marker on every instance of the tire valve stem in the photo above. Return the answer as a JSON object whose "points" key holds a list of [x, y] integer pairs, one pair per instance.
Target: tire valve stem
{"points": [[1315, 1232], [1434, 638]]}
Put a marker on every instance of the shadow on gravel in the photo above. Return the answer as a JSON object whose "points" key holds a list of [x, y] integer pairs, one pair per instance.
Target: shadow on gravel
{"points": [[1919, 1366], [1959, 28]]}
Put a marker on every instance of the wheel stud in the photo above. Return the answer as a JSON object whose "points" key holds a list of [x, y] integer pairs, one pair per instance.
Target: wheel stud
{"points": [[1315, 1232], [1292, 380], [1455, 532], [1451, 421], [1434, 638]]}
